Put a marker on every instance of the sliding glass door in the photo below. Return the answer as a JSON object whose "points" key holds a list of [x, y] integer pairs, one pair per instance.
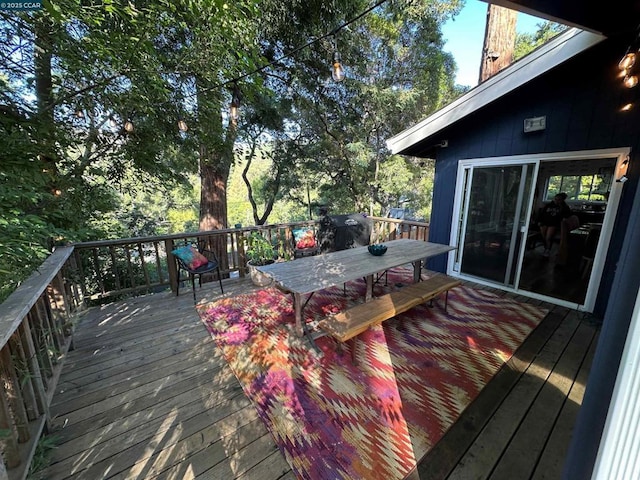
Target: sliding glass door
{"points": [[492, 221]]}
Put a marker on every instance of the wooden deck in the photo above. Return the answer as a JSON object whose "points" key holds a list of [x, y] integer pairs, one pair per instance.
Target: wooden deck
{"points": [[145, 394]]}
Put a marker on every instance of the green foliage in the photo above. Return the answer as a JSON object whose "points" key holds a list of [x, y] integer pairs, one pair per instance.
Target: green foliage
{"points": [[334, 136], [260, 251], [41, 457], [69, 176], [527, 42], [27, 206]]}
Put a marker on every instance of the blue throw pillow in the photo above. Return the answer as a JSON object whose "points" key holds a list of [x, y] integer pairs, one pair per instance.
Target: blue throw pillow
{"points": [[190, 256]]}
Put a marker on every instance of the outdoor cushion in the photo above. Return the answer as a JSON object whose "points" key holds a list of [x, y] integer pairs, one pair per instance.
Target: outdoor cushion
{"points": [[304, 238], [190, 256]]}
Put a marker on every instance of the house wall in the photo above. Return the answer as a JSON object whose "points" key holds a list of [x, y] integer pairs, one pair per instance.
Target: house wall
{"points": [[581, 100], [590, 423]]}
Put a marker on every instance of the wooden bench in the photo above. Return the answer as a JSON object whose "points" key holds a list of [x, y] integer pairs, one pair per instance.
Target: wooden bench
{"points": [[346, 325]]}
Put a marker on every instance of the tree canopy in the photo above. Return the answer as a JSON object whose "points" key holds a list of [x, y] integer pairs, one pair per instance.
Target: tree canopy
{"points": [[527, 42], [92, 93]]}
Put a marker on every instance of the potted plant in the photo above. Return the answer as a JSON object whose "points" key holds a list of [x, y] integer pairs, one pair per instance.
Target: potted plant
{"points": [[259, 252]]}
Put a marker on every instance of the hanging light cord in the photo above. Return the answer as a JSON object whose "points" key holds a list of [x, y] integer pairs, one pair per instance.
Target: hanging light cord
{"points": [[295, 50]]}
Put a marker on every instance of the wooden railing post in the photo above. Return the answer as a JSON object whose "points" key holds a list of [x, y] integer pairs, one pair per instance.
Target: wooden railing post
{"points": [[26, 382], [11, 453], [78, 269], [14, 394], [172, 270], [242, 258], [34, 367]]}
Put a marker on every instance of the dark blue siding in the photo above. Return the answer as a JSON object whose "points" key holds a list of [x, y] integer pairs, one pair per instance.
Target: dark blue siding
{"points": [[592, 416], [581, 100]]}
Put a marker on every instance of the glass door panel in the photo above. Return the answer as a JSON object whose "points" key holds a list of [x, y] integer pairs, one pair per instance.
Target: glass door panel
{"points": [[497, 199]]}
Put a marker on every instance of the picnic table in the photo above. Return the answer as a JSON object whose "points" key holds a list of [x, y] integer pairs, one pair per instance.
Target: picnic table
{"points": [[307, 275]]}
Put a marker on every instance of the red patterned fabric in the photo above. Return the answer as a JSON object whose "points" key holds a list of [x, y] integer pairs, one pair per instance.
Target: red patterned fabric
{"points": [[416, 374], [190, 256]]}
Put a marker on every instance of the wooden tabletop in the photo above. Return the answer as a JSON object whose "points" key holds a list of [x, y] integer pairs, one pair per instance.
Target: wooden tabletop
{"points": [[310, 274]]}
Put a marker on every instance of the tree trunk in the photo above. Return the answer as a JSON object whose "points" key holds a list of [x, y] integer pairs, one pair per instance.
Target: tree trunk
{"points": [[216, 157], [42, 62], [213, 196], [42, 59], [213, 206], [499, 40]]}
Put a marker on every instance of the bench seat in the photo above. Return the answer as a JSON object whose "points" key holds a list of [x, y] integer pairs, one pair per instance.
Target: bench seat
{"points": [[348, 324], [432, 287]]}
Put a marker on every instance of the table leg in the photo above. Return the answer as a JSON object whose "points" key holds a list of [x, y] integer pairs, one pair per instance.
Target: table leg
{"points": [[297, 309], [301, 325], [417, 266], [368, 296]]}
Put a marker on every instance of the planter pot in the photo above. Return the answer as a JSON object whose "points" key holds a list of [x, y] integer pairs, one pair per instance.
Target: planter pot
{"points": [[257, 277]]}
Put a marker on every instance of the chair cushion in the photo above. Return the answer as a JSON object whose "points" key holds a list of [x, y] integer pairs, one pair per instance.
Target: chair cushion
{"points": [[304, 238], [190, 256]]}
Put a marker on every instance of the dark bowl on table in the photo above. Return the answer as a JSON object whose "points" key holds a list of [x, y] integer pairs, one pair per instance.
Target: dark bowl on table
{"points": [[377, 249]]}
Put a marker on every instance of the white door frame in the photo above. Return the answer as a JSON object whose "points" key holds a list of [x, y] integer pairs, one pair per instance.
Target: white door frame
{"points": [[620, 154]]}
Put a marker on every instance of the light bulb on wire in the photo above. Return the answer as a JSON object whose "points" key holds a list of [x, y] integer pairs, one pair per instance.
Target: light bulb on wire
{"points": [[182, 126], [337, 71], [630, 81], [627, 61], [234, 108], [128, 126]]}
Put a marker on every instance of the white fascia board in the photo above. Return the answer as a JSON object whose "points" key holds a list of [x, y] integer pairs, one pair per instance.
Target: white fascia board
{"points": [[541, 60]]}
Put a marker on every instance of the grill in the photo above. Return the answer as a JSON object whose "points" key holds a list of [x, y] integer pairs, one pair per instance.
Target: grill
{"points": [[339, 232]]}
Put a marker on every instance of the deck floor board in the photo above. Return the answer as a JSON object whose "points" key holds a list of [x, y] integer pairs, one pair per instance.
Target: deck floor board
{"points": [[524, 449], [146, 394]]}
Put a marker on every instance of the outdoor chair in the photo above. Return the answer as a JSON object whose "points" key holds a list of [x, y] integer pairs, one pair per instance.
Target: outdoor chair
{"points": [[305, 243], [196, 262]]}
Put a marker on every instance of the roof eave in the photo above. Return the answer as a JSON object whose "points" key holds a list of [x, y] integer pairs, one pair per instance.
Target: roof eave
{"points": [[558, 50]]}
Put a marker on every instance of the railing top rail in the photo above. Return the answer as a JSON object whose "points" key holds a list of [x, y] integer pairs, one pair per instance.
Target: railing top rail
{"points": [[177, 236], [17, 305], [396, 220]]}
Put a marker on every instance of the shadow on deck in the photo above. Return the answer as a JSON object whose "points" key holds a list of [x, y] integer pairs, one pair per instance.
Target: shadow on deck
{"points": [[146, 394]]}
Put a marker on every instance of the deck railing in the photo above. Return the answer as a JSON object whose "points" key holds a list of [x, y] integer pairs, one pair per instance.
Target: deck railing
{"points": [[36, 321], [121, 267], [35, 334]]}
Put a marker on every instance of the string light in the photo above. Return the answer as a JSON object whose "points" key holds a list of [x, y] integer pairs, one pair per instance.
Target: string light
{"points": [[626, 66], [630, 81], [234, 108], [627, 61], [292, 52], [337, 71]]}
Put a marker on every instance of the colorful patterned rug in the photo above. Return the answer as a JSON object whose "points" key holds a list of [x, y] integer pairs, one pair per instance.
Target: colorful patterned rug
{"points": [[415, 374]]}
